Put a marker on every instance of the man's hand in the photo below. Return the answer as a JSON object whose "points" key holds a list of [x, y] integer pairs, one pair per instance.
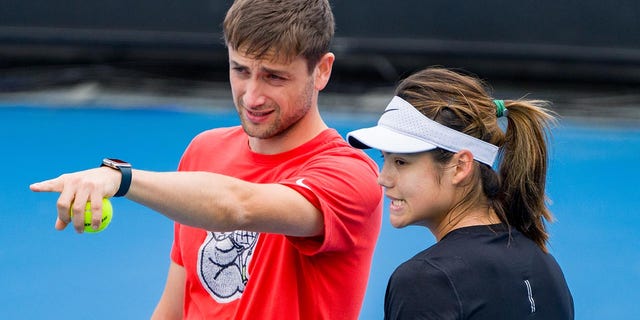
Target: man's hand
{"points": [[76, 189]]}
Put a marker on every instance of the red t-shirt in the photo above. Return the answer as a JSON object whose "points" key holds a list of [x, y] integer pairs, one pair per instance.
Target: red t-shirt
{"points": [[249, 275]]}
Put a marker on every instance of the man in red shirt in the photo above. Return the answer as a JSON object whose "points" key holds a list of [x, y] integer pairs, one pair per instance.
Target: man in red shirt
{"points": [[277, 218]]}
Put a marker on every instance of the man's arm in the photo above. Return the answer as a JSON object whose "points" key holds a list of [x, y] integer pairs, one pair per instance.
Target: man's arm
{"points": [[199, 199], [171, 302], [222, 203]]}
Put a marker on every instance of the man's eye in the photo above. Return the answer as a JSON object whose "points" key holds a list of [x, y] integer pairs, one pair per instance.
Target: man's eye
{"points": [[239, 69], [275, 77]]}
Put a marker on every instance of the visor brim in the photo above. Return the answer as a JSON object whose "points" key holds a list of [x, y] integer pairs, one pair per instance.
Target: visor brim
{"points": [[387, 140]]}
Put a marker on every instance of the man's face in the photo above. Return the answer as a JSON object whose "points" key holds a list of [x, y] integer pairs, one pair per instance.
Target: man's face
{"points": [[270, 97]]}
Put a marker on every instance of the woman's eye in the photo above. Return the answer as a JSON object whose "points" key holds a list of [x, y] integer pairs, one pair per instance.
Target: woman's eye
{"points": [[400, 162], [391, 159]]}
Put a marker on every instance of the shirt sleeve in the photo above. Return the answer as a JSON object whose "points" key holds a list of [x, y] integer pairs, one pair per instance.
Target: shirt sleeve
{"points": [[345, 190], [176, 254], [418, 289]]}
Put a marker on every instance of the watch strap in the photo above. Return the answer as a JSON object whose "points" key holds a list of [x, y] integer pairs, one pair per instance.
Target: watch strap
{"points": [[125, 181], [125, 171]]}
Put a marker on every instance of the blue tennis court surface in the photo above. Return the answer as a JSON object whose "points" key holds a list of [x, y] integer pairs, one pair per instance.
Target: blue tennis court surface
{"points": [[120, 273]]}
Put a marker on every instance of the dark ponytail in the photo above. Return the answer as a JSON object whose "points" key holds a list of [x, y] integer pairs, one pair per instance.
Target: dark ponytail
{"points": [[523, 169]]}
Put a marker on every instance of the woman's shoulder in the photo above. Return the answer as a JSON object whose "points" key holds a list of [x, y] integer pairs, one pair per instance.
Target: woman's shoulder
{"points": [[468, 248]]}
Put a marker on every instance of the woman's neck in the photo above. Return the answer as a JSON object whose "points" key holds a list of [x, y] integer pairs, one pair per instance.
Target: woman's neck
{"points": [[478, 216]]}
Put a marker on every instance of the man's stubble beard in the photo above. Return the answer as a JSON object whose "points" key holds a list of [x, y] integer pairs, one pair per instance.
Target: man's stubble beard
{"points": [[280, 126]]}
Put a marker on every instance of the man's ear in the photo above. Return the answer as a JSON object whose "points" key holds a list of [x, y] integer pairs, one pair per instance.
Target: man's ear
{"points": [[463, 161], [323, 70]]}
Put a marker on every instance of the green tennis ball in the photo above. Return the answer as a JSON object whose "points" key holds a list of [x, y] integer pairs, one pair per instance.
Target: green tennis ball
{"points": [[107, 214]]}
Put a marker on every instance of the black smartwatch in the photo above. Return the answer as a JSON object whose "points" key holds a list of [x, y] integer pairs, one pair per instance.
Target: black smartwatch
{"points": [[124, 168]]}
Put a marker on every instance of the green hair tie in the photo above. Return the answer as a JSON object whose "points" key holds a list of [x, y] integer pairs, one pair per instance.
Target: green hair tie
{"points": [[501, 110]]}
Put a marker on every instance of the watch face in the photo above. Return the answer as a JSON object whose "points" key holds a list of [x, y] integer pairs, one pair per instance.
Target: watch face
{"points": [[115, 163]]}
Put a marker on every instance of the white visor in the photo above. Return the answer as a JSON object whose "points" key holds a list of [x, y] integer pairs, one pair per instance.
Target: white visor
{"points": [[403, 129]]}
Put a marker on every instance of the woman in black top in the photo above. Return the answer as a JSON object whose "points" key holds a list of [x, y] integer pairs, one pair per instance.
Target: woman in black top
{"points": [[440, 137]]}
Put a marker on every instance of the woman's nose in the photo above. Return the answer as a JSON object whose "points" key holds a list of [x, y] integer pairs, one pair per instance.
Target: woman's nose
{"points": [[384, 179]]}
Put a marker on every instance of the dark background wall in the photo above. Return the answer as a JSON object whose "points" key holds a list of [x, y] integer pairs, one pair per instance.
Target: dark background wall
{"points": [[381, 40]]}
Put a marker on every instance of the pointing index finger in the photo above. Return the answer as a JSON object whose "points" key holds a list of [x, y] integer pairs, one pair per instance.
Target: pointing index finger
{"points": [[51, 185]]}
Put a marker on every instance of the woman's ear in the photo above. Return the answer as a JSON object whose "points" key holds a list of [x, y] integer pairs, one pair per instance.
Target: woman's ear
{"points": [[463, 161]]}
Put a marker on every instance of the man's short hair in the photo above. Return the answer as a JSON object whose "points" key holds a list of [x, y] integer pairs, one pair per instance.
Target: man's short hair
{"points": [[280, 30]]}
